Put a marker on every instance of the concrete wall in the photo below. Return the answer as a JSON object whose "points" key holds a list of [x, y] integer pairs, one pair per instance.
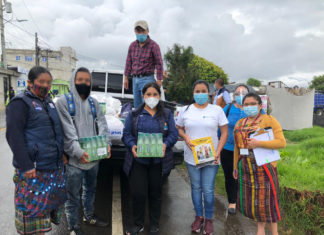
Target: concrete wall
{"points": [[292, 111]]}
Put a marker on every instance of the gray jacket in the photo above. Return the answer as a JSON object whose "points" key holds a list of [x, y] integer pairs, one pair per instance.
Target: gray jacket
{"points": [[84, 126]]}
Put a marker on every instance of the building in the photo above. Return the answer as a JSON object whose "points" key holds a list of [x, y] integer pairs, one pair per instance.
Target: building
{"points": [[61, 63], [8, 78]]}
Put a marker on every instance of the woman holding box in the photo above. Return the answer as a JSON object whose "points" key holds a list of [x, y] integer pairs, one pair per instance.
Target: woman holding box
{"points": [[258, 195], [199, 120], [145, 173]]}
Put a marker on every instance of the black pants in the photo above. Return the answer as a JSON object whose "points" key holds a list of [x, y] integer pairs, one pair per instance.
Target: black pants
{"points": [[227, 158], [146, 181]]}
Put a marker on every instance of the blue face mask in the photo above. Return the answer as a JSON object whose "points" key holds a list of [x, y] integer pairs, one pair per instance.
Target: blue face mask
{"points": [[141, 37], [239, 99], [251, 111], [201, 98]]}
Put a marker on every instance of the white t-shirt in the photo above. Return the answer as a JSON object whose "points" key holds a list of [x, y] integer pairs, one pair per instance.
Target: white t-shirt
{"points": [[199, 123]]}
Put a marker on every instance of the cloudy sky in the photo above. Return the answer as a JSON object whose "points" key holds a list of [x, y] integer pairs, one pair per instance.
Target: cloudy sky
{"points": [[268, 40]]}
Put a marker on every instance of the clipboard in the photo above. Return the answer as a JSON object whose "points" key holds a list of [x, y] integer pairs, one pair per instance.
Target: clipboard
{"points": [[263, 155]]}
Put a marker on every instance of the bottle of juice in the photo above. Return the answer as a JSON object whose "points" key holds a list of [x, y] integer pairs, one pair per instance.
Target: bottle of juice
{"points": [[160, 145], [153, 145], [147, 145], [94, 147], [140, 146]]}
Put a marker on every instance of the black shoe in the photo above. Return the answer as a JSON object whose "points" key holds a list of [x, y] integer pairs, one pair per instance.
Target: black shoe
{"points": [[154, 230], [94, 221], [135, 230], [231, 211], [77, 231], [55, 219]]}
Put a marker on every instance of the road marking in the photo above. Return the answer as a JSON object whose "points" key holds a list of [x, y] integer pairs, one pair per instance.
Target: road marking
{"points": [[117, 220], [1, 130]]}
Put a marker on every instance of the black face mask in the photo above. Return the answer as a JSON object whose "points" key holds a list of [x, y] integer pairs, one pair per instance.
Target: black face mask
{"points": [[83, 89]]}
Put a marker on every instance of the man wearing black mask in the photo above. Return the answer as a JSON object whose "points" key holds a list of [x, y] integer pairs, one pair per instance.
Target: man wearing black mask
{"points": [[81, 116]]}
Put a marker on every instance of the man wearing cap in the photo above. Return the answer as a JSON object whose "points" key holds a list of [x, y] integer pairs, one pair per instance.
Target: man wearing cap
{"points": [[144, 56]]}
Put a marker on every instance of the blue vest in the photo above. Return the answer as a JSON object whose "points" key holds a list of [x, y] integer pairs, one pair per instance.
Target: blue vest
{"points": [[43, 132], [167, 160]]}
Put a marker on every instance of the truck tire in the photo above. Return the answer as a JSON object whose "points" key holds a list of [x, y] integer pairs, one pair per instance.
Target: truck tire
{"points": [[319, 112]]}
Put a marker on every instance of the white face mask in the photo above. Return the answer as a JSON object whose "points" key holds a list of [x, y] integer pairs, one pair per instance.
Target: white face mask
{"points": [[151, 102]]}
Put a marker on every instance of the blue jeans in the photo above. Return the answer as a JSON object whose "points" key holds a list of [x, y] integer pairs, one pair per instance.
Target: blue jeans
{"points": [[138, 84], [75, 179], [202, 185]]}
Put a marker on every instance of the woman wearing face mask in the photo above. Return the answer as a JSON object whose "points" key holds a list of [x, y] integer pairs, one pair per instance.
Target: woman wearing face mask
{"points": [[258, 196], [234, 112], [199, 120], [35, 137], [145, 174]]}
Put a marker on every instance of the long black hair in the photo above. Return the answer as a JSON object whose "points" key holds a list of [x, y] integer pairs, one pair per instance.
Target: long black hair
{"points": [[193, 88], [253, 95], [35, 71], [160, 105]]}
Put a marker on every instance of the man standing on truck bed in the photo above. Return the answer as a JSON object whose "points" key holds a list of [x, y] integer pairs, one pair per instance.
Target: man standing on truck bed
{"points": [[144, 56]]}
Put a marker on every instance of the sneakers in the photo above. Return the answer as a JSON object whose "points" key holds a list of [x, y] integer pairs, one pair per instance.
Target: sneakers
{"points": [[77, 231], [135, 230], [197, 224], [209, 228], [94, 221], [154, 230]]}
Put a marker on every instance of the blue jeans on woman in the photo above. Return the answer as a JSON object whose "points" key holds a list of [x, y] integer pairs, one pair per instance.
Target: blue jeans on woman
{"points": [[138, 84], [202, 186]]}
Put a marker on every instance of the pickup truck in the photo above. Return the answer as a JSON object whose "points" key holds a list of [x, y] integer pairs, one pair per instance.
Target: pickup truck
{"points": [[111, 83]]}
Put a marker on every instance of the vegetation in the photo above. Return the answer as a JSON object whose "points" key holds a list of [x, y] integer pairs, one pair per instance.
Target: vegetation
{"points": [[184, 68], [253, 82], [318, 83]]}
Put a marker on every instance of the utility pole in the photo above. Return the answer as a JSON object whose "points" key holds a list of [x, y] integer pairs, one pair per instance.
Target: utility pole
{"points": [[47, 58], [37, 50], [3, 46]]}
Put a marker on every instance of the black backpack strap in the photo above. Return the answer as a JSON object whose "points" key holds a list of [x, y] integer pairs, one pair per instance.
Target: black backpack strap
{"points": [[228, 109]]}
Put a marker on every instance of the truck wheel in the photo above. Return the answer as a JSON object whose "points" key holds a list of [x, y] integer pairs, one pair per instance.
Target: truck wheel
{"points": [[319, 112]]}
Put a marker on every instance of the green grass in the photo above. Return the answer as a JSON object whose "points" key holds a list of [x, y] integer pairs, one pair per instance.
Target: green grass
{"points": [[302, 162]]}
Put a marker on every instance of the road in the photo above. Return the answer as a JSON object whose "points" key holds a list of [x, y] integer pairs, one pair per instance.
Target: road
{"points": [[177, 209]]}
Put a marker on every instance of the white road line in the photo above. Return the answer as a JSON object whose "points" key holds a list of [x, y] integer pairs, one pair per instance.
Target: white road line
{"points": [[117, 220]]}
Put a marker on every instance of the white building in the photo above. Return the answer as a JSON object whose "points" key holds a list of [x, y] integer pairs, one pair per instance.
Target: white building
{"points": [[61, 63]]}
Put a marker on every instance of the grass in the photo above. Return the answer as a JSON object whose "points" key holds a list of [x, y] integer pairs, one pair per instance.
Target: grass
{"points": [[302, 161]]}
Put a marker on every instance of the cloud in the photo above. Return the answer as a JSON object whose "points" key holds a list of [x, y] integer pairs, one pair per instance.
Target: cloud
{"points": [[262, 39]]}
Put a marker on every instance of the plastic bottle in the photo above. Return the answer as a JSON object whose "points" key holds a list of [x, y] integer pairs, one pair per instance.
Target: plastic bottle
{"points": [[153, 145], [140, 146], [147, 145], [160, 145], [93, 148]]}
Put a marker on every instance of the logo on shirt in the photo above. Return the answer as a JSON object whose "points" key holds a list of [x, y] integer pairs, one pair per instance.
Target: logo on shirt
{"points": [[37, 106]]}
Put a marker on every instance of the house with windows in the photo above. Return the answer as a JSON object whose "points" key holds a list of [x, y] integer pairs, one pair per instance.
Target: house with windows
{"points": [[60, 63]]}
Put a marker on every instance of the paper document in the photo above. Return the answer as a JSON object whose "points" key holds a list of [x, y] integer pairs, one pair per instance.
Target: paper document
{"points": [[263, 155]]}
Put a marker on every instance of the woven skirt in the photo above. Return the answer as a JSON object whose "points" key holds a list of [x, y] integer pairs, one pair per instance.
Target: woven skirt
{"points": [[258, 194]]}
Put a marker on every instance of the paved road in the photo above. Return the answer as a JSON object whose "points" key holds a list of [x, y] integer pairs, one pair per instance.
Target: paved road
{"points": [[177, 209]]}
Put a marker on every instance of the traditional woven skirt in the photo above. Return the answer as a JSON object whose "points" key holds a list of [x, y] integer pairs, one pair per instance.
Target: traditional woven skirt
{"points": [[258, 194], [36, 198]]}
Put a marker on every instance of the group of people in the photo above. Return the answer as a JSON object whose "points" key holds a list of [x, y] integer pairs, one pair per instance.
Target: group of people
{"points": [[51, 168]]}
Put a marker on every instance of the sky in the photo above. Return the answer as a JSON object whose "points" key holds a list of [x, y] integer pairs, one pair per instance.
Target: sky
{"points": [[268, 40]]}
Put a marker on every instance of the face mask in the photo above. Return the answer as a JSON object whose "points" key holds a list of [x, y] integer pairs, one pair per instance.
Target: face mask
{"points": [[251, 111], [83, 89], [41, 91], [151, 102], [201, 98], [141, 37], [239, 99]]}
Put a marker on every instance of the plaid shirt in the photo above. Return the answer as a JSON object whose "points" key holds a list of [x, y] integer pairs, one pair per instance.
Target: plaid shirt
{"points": [[143, 60]]}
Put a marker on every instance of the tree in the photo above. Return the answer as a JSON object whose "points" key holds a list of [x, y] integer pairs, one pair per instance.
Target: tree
{"points": [[318, 83], [184, 68], [253, 82], [207, 70]]}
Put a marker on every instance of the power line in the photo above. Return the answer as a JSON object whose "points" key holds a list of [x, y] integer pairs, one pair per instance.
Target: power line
{"points": [[31, 16]]}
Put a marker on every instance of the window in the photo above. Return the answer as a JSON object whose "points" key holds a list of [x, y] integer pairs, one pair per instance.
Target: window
{"points": [[98, 81], [44, 59], [28, 58], [18, 57]]}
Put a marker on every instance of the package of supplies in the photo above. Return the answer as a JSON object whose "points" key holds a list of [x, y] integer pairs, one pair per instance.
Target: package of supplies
{"points": [[149, 145], [96, 147], [115, 127], [203, 151]]}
